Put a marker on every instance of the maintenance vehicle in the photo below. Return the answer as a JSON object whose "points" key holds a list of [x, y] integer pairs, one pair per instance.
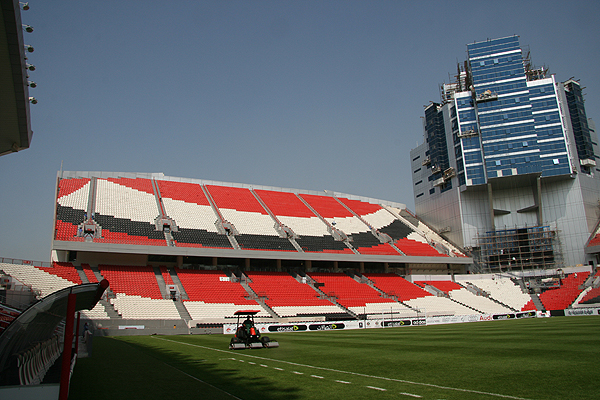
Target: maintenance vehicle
{"points": [[247, 335]]}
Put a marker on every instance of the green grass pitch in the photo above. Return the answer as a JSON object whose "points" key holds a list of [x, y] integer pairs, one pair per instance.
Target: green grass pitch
{"points": [[546, 358]]}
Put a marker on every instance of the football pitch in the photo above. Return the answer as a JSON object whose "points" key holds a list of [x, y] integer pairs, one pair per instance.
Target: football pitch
{"points": [[546, 358]]}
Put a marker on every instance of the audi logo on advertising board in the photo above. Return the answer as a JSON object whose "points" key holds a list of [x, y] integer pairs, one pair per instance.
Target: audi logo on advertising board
{"points": [[404, 322]]}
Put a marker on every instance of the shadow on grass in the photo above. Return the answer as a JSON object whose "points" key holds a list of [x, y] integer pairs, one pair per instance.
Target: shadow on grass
{"points": [[146, 368]]}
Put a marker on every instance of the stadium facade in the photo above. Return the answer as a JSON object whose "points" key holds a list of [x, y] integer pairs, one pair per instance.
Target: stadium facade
{"points": [[144, 219], [508, 164]]}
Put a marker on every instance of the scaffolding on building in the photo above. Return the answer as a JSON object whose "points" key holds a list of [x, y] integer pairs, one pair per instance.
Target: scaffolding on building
{"points": [[532, 72], [527, 248]]}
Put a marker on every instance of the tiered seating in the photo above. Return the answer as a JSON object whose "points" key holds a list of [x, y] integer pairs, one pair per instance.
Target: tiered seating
{"points": [[212, 287], [89, 273], [138, 307], [139, 184], [358, 297], [36, 278], [445, 285], [70, 207], [288, 297], [98, 312], [529, 306], [64, 270], [405, 238], [195, 218], [595, 241], [409, 241], [435, 306], [338, 216], [293, 213], [415, 245], [462, 295], [395, 285], [213, 297], [591, 297], [501, 289], [132, 280], [480, 303], [334, 213], [166, 275], [126, 210], [219, 312], [563, 297], [377, 218], [592, 294], [7, 315], [51, 279], [69, 186], [66, 230], [253, 223]]}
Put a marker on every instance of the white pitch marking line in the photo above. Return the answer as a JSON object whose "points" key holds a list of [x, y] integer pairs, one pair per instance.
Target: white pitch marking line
{"points": [[505, 396], [377, 388], [263, 365], [278, 369], [410, 394], [298, 373], [201, 381], [317, 376], [347, 383]]}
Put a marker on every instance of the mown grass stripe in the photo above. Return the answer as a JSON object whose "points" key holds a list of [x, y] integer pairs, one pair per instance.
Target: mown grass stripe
{"points": [[350, 373]]}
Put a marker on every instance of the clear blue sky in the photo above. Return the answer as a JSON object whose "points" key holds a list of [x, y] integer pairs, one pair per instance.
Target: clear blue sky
{"points": [[300, 94]]}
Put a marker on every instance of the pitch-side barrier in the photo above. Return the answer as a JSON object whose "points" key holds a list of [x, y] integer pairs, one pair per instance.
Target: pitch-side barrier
{"points": [[378, 323]]}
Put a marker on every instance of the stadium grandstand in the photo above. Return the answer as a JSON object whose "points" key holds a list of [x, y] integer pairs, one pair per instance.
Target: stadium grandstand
{"points": [[183, 255], [148, 217]]}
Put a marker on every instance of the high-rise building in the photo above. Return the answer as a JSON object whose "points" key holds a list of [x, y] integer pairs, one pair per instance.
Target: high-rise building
{"points": [[508, 165]]}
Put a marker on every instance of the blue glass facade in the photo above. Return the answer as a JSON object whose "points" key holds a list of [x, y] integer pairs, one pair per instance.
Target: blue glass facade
{"points": [[579, 122], [505, 119], [519, 120], [435, 136], [505, 127]]}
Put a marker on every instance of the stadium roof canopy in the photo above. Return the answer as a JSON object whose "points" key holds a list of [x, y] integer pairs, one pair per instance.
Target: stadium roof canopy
{"points": [[15, 125]]}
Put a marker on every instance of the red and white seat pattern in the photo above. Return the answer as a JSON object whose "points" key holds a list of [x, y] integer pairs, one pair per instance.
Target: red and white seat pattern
{"points": [[206, 216]]}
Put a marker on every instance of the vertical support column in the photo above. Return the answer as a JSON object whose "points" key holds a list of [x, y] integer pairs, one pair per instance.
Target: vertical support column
{"points": [[538, 199], [491, 205], [77, 334], [386, 267], [308, 265], [336, 267], [278, 264], [215, 261], [179, 261], [247, 264], [65, 372], [362, 267]]}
